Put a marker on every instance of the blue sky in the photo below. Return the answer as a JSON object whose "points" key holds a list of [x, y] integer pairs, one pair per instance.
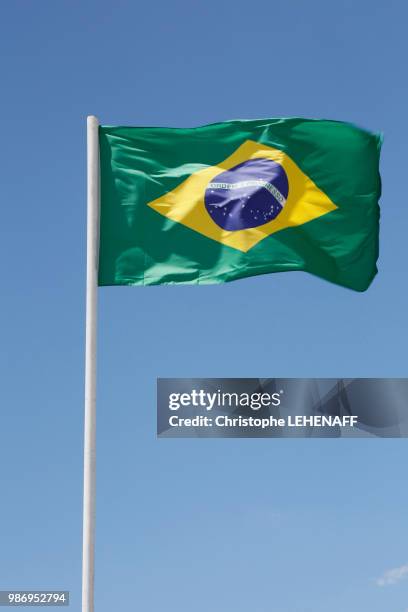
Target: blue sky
{"points": [[261, 525]]}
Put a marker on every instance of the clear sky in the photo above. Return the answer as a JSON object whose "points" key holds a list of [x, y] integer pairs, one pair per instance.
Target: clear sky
{"points": [[261, 525]]}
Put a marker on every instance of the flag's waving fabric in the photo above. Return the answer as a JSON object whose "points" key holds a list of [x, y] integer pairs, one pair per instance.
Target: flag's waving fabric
{"points": [[224, 201]]}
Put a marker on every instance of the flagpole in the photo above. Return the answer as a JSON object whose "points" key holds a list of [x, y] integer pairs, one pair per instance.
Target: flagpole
{"points": [[88, 536]]}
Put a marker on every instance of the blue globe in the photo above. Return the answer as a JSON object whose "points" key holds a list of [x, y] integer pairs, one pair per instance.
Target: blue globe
{"points": [[248, 195]]}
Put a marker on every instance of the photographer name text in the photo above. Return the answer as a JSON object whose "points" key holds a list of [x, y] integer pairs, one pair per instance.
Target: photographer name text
{"points": [[224, 401]]}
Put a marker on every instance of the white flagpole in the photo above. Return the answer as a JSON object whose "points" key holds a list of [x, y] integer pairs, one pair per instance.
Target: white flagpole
{"points": [[88, 541]]}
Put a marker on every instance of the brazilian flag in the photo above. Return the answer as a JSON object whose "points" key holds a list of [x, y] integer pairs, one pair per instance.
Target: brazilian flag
{"points": [[220, 202]]}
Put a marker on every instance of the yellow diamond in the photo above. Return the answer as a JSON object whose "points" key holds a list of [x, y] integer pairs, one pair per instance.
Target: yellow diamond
{"points": [[185, 204]]}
